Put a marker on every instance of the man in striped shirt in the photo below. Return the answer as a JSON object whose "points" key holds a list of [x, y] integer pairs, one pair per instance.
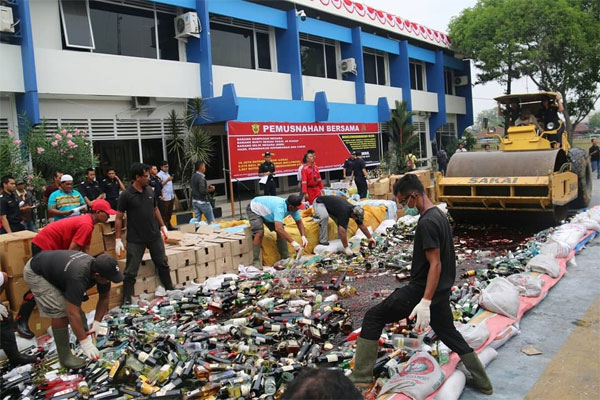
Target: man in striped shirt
{"points": [[66, 201]]}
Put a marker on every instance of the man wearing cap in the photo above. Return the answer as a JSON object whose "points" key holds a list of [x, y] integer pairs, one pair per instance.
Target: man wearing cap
{"points": [[271, 211], [359, 174], [267, 168], [10, 213], [59, 280], [341, 211], [90, 188], [66, 201], [73, 233]]}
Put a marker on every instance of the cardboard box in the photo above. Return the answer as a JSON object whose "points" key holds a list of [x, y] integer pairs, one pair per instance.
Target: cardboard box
{"points": [[16, 288], [393, 180], [144, 285], [145, 269], [91, 304], [225, 266], [97, 242], [188, 228], [222, 248], [205, 270], [173, 273], [431, 193], [379, 196], [110, 239], [3, 296], [244, 259], [186, 256], [424, 176], [172, 257], [186, 275], [382, 186], [39, 325], [15, 251], [240, 244], [205, 253], [115, 296], [175, 237]]}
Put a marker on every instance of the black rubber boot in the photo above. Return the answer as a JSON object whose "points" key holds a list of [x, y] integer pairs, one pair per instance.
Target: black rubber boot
{"points": [[8, 342], [364, 361], [256, 260], [22, 320], [479, 379], [127, 291], [282, 246], [165, 278], [65, 356]]}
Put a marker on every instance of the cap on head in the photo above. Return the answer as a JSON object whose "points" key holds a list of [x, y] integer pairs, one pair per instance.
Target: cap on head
{"points": [[66, 178], [360, 214], [103, 205], [108, 268], [20, 182]]}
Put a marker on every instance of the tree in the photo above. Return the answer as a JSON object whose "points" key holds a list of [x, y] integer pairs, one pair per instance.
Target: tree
{"points": [[403, 139], [494, 120], [554, 43], [594, 123]]}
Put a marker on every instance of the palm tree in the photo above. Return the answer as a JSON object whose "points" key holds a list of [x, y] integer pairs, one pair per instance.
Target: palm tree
{"points": [[401, 132]]}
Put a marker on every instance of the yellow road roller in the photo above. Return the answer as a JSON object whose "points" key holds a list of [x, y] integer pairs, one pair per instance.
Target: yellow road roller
{"points": [[535, 173]]}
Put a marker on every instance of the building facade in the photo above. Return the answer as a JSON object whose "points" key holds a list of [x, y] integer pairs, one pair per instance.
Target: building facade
{"points": [[115, 68]]}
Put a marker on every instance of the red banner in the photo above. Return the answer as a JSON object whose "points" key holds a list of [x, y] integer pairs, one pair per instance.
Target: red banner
{"points": [[288, 142]]}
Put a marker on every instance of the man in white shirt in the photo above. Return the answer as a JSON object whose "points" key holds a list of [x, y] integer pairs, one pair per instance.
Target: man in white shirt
{"points": [[526, 118], [168, 194], [461, 149]]}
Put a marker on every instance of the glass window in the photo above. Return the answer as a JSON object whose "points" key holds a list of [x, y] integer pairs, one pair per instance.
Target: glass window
{"points": [[449, 81], [445, 134], [416, 76], [232, 46], [167, 44], [76, 24], [152, 151], [263, 50], [374, 68], [381, 70], [318, 59], [118, 154], [331, 62]]}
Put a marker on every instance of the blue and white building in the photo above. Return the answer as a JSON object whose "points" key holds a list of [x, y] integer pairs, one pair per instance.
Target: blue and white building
{"points": [[116, 69]]}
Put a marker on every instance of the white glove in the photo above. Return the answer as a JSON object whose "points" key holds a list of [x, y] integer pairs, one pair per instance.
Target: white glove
{"points": [[348, 251], [296, 246], [76, 212], [95, 328], [3, 312], [119, 248], [89, 349], [304, 241], [22, 203], [165, 233], [421, 311]]}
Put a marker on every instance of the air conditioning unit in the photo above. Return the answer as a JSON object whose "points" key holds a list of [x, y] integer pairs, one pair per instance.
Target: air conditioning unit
{"points": [[187, 24], [461, 80], [144, 103], [348, 65], [6, 20]]}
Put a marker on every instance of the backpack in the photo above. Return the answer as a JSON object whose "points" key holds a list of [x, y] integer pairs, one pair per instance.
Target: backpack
{"points": [[442, 156]]}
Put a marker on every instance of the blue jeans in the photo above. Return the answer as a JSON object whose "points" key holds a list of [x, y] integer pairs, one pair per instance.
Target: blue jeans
{"points": [[596, 166], [203, 208], [30, 226]]}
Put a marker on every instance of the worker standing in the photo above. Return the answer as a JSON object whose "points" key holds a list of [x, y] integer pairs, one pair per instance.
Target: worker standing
{"points": [[267, 169], [10, 212], [360, 174], [312, 185], [144, 228], [90, 189], [426, 297], [59, 280], [112, 186], [271, 211], [340, 211], [347, 167], [168, 194]]}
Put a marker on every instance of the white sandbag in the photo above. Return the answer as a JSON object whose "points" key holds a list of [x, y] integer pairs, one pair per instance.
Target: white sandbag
{"points": [[529, 286], [474, 334], [569, 234], [594, 214], [452, 387], [420, 377], [333, 247], [382, 228], [555, 249], [501, 297], [486, 356], [586, 220], [545, 264], [504, 336]]}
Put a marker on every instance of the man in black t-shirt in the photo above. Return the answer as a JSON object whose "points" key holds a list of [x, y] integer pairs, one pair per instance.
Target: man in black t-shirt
{"points": [[90, 189], [359, 173], [595, 157], [268, 169], [59, 280], [144, 228], [347, 167], [427, 294], [11, 218], [112, 185], [340, 211]]}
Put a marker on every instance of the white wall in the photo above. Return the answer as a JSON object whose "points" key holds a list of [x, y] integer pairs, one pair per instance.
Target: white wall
{"points": [[70, 72], [252, 83], [46, 22], [374, 92], [424, 101], [455, 105], [11, 69], [337, 91]]}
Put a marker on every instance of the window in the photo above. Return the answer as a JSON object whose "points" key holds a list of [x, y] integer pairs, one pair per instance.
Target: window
{"points": [[449, 81], [120, 29], [238, 44], [416, 76], [318, 58], [375, 70], [421, 132], [444, 135], [118, 154]]}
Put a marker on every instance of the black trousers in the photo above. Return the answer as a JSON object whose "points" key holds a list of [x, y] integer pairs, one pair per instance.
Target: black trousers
{"points": [[135, 252], [400, 304], [113, 203], [361, 187], [13, 228], [269, 188]]}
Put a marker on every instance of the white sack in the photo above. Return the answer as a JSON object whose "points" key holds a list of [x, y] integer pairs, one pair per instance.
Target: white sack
{"points": [[453, 386], [569, 234], [474, 334], [420, 377], [504, 336], [545, 264], [529, 286], [333, 247], [501, 297], [555, 249]]}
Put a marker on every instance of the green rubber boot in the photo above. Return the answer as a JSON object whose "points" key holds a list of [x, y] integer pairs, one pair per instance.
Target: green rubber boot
{"points": [[282, 246], [479, 380], [256, 261], [364, 361], [65, 356]]}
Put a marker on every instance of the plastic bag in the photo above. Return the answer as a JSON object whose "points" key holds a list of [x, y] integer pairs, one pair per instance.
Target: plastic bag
{"points": [[545, 264], [504, 336], [382, 228], [569, 234], [585, 219], [420, 377], [529, 286], [333, 247], [474, 334], [555, 249], [501, 297]]}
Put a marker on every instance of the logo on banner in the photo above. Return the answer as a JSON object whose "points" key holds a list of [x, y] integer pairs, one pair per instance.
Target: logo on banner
{"points": [[255, 128]]}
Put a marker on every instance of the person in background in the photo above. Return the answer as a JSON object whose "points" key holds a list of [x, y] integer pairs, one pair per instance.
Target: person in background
{"points": [[65, 202], [26, 204], [144, 228], [548, 113], [312, 185], [8, 342], [347, 167], [112, 185], [200, 192], [595, 157], [10, 212], [487, 147], [411, 162], [271, 211], [55, 185], [155, 183], [267, 168], [442, 159], [359, 175], [526, 118], [90, 189], [511, 113], [300, 168], [426, 297], [168, 194], [321, 384], [461, 149]]}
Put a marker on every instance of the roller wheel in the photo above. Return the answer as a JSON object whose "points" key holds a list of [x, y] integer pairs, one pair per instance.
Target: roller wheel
{"points": [[581, 166]]}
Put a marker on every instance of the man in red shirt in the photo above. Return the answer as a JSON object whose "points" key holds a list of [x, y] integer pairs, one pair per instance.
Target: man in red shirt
{"points": [[311, 179], [73, 233]]}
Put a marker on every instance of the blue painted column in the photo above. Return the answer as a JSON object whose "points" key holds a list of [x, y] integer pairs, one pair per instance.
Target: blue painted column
{"points": [[466, 91], [355, 50], [288, 54], [435, 83], [400, 73], [199, 50], [28, 103]]}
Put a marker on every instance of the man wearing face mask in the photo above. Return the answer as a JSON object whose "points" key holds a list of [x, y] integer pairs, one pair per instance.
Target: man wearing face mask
{"points": [[426, 297]]}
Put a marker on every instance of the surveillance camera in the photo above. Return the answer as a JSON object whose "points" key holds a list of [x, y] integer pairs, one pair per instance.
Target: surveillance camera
{"points": [[301, 14]]}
